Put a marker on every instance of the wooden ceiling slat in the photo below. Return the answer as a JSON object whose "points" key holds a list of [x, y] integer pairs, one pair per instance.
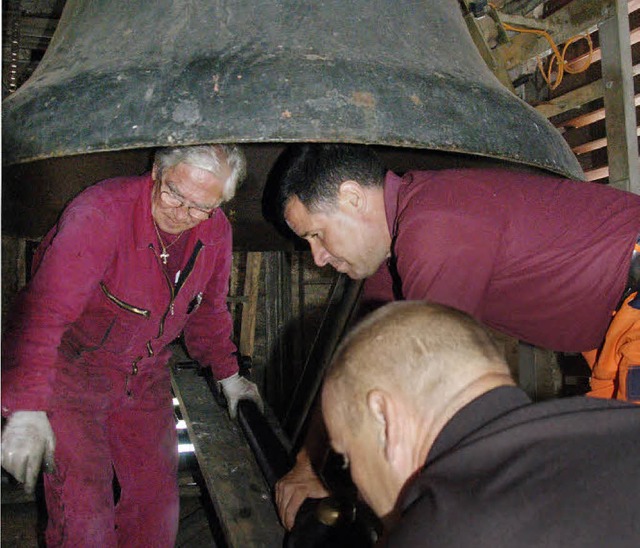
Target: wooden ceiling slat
{"points": [[590, 117], [596, 144]]}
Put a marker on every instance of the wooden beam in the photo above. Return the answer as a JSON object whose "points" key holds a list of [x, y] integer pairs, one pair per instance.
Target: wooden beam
{"points": [[240, 497], [597, 144], [576, 98], [278, 314], [575, 18], [573, 99], [596, 55], [494, 64], [619, 101]]}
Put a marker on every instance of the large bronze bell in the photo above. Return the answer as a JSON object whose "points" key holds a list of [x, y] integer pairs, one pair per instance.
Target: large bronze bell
{"points": [[402, 74]]}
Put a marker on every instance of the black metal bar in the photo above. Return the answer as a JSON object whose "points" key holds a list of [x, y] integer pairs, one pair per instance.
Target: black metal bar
{"points": [[339, 313], [272, 457], [332, 522]]}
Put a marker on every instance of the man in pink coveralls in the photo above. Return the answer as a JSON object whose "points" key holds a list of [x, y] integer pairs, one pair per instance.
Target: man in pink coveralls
{"points": [[132, 263]]}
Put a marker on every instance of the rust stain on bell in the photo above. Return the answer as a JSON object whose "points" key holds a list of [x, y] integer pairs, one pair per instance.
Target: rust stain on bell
{"points": [[363, 99]]}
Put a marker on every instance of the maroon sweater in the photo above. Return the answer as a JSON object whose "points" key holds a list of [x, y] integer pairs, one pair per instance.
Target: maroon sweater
{"points": [[541, 258]]}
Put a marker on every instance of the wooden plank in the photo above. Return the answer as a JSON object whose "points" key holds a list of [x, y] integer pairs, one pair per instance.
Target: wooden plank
{"points": [[617, 74], [236, 486], [594, 145], [573, 99], [597, 144], [597, 173], [592, 117], [250, 306]]}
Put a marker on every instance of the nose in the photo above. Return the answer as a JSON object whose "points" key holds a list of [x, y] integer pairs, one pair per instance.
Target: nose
{"points": [[320, 255], [182, 213]]}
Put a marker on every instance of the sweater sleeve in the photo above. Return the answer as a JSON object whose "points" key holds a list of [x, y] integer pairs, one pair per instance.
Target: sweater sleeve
{"points": [[71, 262], [208, 334]]}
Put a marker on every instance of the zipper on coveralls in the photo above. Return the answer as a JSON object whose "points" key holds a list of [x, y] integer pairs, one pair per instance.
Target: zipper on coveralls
{"points": [[122, 304], [172, 290]]}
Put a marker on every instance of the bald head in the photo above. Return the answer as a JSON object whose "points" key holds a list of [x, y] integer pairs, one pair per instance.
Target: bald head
{"points": [[424, 351], [395, 382]]}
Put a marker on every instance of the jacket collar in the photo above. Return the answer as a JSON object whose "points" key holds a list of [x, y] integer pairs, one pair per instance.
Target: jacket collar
{"points": [[475, 416], [471, 419], [208, 232]]}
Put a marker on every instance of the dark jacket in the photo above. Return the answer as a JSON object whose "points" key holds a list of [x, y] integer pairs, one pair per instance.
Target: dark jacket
{"points": [[505, 472]]}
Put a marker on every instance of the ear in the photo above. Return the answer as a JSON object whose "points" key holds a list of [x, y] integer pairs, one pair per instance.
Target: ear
{"points": [[352, 194], [385, 413]]}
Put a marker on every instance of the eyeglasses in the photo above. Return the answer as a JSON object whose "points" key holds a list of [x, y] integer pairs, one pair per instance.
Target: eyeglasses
{"points": [[171, 200]]}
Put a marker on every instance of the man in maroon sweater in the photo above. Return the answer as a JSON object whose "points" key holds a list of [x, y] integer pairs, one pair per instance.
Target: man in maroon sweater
{"points": [[538, 257]]}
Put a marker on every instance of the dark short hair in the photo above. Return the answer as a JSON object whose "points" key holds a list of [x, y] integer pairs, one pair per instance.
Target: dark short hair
{"points": [[314, 173]]}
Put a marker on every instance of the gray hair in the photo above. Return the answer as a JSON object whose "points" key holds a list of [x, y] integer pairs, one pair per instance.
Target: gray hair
{"points": [[207, 157]]}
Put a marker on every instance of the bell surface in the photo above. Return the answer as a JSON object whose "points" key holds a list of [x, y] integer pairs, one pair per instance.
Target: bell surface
{"points": [[129, 75]]}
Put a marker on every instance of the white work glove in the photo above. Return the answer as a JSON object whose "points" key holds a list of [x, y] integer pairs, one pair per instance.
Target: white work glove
{"points": [[26, 441], [236, 388]]}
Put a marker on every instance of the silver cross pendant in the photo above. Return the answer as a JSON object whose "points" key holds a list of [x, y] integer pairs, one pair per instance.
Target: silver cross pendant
{"points": [[164, 256]]}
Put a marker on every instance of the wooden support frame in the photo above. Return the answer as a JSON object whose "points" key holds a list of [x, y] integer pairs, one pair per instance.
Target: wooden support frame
{"points": [[576, 98], [594, 116], [621, 123], [495, 64], [242, 502], [576, 18]]}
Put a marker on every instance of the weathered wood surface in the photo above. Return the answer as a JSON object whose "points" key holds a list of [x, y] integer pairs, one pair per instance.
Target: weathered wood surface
{"points": [[250, 308], [236, 486]]}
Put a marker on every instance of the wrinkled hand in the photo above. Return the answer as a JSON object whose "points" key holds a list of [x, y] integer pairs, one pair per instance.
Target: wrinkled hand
{"points": [[292, 489], [26, 441], [236, 388]]}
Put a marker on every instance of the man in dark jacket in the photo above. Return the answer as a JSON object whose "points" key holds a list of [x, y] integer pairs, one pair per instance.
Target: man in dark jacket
{"points": [[132, 263], [449, 452]]}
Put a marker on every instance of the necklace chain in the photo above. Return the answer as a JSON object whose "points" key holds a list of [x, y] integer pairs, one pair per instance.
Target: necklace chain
{"points": [[164, 255]]}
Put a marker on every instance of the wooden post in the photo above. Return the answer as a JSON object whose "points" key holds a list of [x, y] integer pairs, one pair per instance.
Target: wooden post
{"points": [[617, 75], [250, 305]]}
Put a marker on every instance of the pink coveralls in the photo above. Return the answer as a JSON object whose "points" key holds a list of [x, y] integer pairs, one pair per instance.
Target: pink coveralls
{"points": [[88, 344]]}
